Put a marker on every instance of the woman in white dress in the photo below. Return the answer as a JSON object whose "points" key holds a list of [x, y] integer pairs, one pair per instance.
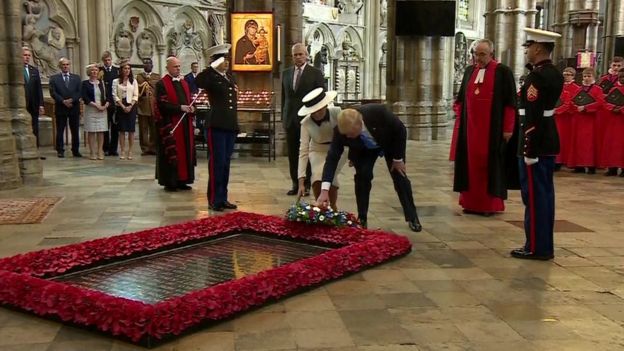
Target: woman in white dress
{"points": [[95, 117], [126, 96], [317, 130]]}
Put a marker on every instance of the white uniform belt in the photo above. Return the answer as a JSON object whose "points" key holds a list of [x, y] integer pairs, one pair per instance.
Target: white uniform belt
{"points": [[547, 113]]}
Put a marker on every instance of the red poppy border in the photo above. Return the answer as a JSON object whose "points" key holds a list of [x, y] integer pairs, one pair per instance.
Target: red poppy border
{"points": [[24, 284]]}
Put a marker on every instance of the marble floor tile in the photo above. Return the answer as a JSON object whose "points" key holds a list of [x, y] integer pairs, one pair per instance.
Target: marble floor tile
{"points": [[457, 290]]}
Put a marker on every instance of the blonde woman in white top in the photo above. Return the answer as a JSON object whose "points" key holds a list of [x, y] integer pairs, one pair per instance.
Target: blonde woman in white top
{"points": [[317, 130], [126, 95]]}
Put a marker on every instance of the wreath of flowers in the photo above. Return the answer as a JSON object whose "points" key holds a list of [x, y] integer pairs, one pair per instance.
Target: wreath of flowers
{"points": [[24, 282], [309, 214]]}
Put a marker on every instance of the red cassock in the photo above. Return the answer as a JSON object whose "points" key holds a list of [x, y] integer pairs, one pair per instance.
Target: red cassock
{"points": [[612, 154], [563, 118], [583, 143], [479, 111], [457, 110]]}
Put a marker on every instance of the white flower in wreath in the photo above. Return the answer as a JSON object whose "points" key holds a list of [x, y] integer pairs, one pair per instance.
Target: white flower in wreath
{"points": [[321, 218], [316, 209]]}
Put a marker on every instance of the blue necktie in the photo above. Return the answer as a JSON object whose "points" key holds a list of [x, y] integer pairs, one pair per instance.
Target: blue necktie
{"points": [[26, 74], [369, 142]]}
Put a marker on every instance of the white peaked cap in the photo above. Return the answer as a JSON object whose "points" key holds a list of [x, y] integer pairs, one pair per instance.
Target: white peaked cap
{"points": [[540, 36]]}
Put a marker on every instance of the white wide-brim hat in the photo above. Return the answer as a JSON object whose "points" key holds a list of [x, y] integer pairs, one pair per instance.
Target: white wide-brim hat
{"points": [[221, 49], [316, 100]]}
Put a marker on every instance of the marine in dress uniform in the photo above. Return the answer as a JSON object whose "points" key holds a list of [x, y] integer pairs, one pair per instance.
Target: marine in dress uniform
{"points": [[221, 125], [538, 145]]}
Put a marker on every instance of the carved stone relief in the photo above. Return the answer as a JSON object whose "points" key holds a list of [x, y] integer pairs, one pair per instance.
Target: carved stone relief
{"points": [[183, 36], [383, 13], [124, 41], [145, 45], [44, 37], [216, 21], [350, 6], [461, 57]]}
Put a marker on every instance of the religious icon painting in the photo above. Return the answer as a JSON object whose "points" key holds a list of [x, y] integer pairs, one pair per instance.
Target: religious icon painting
{"points": [[253, 46]]}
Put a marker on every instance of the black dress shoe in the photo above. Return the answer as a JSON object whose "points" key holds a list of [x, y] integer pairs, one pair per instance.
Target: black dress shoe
{"points": [[528, 255], [591, 170], [61, 155], [42, 157], [218, 208], [611, 172], [578, 170], [171, 189], [415, 225], [184, 187], [229, 205], [77, 154], [292, 192], [363, 223], [113, 154]]}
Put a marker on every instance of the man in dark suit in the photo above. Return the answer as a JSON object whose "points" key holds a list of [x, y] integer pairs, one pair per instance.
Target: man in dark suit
{"points": [[108, 74], [190, 78], [65, 90], [221, 124], [371, 131], [297, 81], [33, 92]]}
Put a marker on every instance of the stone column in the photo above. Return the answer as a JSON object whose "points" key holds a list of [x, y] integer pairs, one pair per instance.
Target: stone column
{"points": [[505, 21], [83, 36], [370, 80], [614, 27], [23, 145], [9, 166], [103, 28], [416, 81]]}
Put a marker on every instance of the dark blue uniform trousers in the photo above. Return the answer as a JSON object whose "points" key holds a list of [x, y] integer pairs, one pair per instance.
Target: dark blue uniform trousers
{"points": [[220, 148], [538, 196], [364, 164]]}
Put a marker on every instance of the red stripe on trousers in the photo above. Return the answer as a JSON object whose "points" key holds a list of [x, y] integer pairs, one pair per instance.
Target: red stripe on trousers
{"points": [[531, 208], [211, 180]]}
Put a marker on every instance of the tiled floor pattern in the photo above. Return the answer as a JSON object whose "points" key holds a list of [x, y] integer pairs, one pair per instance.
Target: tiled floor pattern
{"points": [[457, 290]]}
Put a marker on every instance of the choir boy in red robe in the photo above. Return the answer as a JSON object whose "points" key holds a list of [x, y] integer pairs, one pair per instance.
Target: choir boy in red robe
{"points": [[607, 81], [563, 115], [586, 104], [487, 105], [613, 147]]}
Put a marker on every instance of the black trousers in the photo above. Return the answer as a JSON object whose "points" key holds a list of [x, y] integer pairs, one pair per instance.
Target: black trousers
{"points": [[293, 140], [34, 118], [111, 138], [74, 126], [364, 164]]}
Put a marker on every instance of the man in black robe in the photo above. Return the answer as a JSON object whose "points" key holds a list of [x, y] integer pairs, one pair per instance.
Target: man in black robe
{"points": [[175, 160], [485, 167]]}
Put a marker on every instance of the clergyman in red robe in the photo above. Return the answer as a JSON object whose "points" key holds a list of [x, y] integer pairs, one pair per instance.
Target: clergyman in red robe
{"points": [[484, 165]]}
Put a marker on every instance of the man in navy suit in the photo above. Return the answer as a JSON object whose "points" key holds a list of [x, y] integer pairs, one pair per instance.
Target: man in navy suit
{"points": [[190, 78], [297, 82], [33, 92], [370, 131], [108, 74], [65, 90]]}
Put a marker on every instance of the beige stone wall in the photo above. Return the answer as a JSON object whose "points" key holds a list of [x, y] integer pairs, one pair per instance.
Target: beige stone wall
{"points": [[19, 159]]}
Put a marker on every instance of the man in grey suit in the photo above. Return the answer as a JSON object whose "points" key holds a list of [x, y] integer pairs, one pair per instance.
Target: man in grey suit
{"points": [[297, 81], [65, 90]]}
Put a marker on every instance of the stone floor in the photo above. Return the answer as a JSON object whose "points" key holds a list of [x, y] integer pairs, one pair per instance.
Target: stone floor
{"points": [[457, 290]]}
